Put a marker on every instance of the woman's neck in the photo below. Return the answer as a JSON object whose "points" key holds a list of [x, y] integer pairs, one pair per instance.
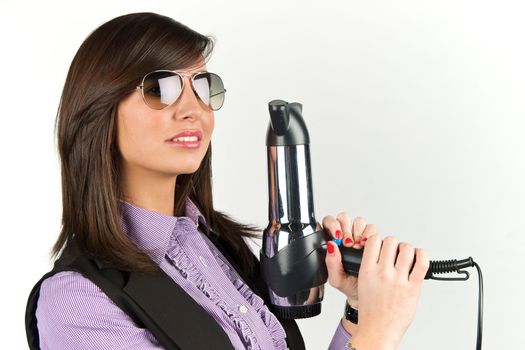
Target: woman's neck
{"points": [[148, 190]]}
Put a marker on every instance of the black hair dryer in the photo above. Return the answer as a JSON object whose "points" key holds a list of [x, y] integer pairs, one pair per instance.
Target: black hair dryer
{"points": [[294, 243]]}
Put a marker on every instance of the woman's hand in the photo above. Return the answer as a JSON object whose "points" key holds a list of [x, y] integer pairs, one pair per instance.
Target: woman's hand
{"points": [[353, 234], [389, 287], [389, 283]]}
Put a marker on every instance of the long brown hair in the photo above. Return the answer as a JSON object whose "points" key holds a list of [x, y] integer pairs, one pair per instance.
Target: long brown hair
{"points": [[106, 68]]}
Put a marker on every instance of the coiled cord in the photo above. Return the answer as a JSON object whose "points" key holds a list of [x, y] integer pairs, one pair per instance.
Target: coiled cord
{"points": [[448, 266]]}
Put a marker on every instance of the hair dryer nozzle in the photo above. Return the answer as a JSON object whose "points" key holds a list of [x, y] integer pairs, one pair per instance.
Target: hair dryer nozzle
{"points": [[287, 126]]}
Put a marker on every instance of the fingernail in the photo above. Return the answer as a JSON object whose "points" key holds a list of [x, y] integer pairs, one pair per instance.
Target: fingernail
{"points": [[330, 248], [348, 240], [338, 234], [363, 240]]}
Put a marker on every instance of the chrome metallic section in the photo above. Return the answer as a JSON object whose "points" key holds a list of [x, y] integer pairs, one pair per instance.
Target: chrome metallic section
{"points": [[291, 211]]}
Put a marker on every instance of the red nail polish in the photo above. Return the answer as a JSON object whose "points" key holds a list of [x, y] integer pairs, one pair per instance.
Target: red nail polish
{"points": [[338, 234], [348, 240], [363, 240], [330, 248]]}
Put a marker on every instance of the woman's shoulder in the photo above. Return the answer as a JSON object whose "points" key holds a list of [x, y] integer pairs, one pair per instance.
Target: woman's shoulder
{"points": [[64, 283], [66, 295], [73, 312]]}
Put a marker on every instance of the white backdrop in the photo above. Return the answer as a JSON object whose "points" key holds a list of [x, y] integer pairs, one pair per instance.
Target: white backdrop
{"points": [[415, 111]]}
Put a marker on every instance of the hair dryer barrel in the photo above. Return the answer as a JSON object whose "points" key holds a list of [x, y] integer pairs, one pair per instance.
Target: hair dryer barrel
{"points": [[292, 254]]}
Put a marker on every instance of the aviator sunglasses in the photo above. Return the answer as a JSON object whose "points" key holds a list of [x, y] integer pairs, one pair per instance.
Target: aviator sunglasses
{"points": [[161, 88]]}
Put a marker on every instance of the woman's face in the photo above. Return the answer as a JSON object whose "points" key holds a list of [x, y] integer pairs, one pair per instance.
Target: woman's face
{"points": [[144, 135]]}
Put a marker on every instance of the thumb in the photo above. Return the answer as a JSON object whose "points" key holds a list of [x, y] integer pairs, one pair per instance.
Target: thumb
{"points": [[336, 273]]}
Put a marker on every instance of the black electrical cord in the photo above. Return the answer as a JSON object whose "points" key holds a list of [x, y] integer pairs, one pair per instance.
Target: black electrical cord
{"points": [[440, 267], [480, 307]]}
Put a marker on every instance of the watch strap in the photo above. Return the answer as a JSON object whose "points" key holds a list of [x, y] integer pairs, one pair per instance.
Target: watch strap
{"points": [[351, 314]]}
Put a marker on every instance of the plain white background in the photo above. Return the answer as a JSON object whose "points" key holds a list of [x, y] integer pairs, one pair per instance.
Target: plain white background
{"points": [[415, 111]]}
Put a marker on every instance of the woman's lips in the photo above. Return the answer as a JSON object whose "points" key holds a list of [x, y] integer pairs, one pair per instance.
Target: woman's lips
{"points": [[187, 133], [187, 138]]}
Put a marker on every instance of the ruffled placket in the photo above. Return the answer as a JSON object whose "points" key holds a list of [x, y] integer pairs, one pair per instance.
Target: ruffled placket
{"points": [[192, 272]]}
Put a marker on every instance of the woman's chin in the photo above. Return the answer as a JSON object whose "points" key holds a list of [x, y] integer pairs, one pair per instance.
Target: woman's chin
{"points": [[187, 170]]}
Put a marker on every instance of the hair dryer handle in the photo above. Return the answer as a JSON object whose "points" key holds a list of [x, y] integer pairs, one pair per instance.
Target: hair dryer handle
{"points": [[351, 259]]}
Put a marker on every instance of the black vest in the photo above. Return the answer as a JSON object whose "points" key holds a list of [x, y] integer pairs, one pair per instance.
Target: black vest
{"points": [[154, 301]]}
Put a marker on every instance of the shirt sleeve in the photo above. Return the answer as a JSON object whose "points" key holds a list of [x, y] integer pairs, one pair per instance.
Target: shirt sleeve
{"points": [[340, 338], [73, 313]]}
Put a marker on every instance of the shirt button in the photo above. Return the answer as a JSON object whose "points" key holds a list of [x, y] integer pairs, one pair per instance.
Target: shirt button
{"points": [[203, 261], [243, 309]]}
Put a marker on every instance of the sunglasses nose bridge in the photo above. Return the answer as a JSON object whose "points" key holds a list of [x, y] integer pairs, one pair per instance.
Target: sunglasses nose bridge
{"points": [[183, 86], [193, 100]]}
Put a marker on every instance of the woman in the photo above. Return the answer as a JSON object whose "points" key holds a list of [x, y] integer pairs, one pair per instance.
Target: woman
{"points": [[145, 262]]}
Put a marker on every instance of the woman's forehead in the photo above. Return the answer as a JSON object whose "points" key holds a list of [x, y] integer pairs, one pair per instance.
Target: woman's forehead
{"points": [[199, 66]]}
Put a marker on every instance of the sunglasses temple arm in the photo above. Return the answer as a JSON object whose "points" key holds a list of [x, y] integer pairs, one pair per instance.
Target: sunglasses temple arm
{"points": [[222, 92]]}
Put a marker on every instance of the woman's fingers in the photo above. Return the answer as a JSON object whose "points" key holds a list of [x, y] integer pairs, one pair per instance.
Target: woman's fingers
{"points": [[332, 226], [405, 258], [361, 237], [352, 233], [336, 273], [398, 258], [388, 252], [358, 228], [420, 267], [371, 253], [346, 227], [338, 228], [341, 227]]}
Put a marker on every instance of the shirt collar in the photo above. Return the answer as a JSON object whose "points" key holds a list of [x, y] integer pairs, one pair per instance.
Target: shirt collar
{"points": [[152, 231]]}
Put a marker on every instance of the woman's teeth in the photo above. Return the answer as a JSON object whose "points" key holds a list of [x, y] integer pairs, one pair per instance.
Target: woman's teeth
{"points": [[186, 139]]}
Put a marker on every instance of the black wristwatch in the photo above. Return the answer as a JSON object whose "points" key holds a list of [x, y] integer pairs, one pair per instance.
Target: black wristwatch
{"points": [[351, 313]]}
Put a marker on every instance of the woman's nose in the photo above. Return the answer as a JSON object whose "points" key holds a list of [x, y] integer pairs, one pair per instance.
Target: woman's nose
{"points": [[188, 104]]}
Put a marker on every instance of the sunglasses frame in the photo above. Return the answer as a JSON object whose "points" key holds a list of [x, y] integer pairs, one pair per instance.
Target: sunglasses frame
{"points": [[181, 76]]}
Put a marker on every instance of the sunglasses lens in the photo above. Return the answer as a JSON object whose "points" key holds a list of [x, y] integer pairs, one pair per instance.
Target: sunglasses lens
{"points": [[160, 89], [210, 88]]}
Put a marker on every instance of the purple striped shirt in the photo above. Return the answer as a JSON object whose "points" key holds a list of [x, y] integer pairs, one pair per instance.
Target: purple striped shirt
{"points": [[73, 313]]}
